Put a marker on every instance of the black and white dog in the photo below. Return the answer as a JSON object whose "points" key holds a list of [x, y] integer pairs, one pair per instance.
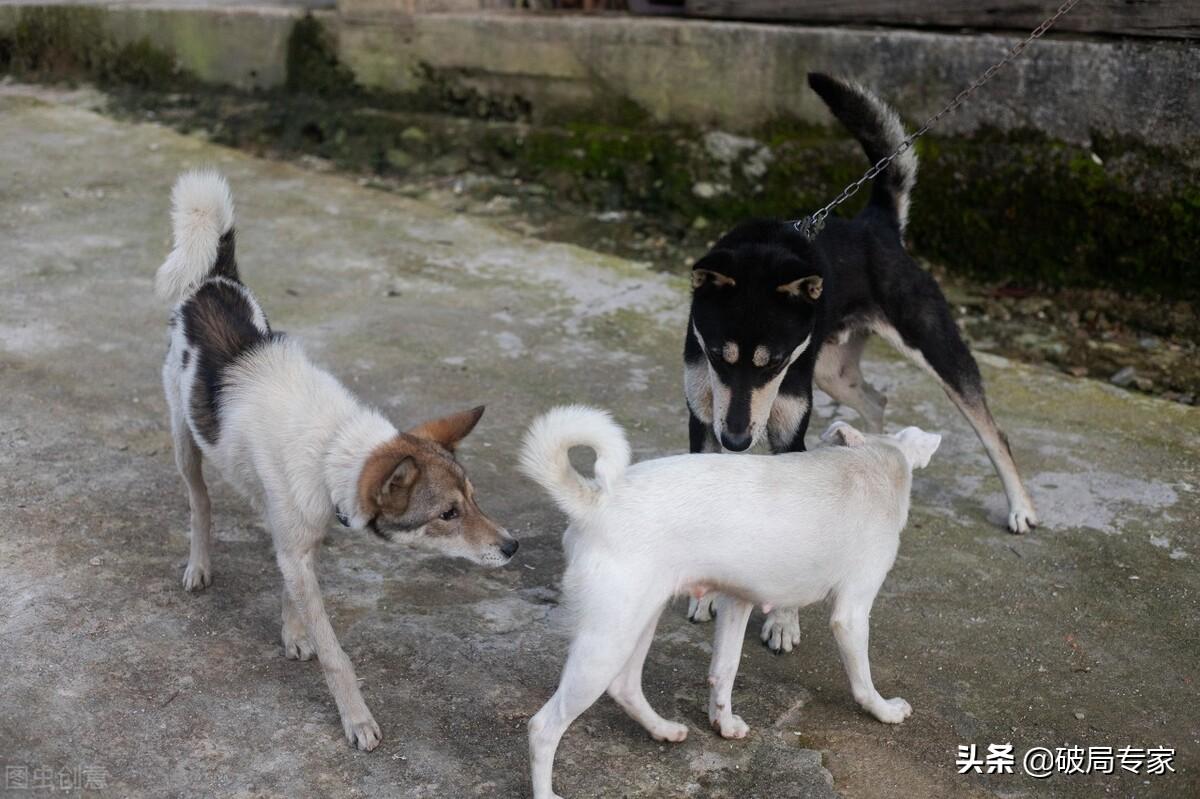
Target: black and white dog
{"points": [[772, 311]]}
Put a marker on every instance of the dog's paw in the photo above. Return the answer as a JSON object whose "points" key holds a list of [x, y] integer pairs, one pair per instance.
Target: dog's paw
{"points": [[730, 725], [701, 610], [891, 711], [363, 733], [1022, 519], [197, 576], [781, 630], [297, 645], [669, 731]]}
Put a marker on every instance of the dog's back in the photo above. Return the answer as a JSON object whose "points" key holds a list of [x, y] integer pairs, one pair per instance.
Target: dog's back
{"points": [[784, 528]]}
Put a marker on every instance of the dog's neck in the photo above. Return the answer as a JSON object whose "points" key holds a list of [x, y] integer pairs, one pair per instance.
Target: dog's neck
{"points": [[354, 440]]}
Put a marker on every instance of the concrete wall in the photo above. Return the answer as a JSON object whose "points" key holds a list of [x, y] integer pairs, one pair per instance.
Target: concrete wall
{"points": [[742, 77], [731, 76], [227, 44], [382, 8]]}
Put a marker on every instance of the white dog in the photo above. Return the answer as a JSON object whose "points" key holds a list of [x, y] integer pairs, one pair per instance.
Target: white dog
{"points": [[787, 529], [292, 439]]}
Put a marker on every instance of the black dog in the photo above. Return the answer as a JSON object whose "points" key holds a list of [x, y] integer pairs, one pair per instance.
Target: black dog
{"points": [[771, 311]]}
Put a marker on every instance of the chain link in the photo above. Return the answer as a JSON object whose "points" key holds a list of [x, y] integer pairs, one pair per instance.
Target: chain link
{"points": [[811, 225]]}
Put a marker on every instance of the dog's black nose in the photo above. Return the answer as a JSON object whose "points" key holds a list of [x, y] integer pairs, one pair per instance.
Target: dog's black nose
{"points": [[736, 442], [509, 547]]}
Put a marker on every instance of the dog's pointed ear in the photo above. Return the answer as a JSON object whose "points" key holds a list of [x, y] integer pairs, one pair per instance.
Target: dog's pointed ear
{"points": [[806, 288], [449, 430], [712, 269], [701, 277], [918, 445], [841, 434]]}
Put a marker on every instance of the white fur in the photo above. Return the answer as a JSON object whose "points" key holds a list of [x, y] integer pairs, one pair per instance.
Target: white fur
{"points": [[544, 456], [292, 439], [201, 212], [787, 529]]}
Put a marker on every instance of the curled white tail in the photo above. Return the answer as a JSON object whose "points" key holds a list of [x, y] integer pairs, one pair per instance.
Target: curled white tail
{"points": [[201, 214], [544, 456]]}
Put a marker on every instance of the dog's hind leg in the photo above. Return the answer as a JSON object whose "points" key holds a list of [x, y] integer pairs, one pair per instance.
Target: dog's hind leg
{"points": [[605, 643], [1021, 513], [850, 623], [931, 340], [295, 550], [627, 691], [838, 374], [727, 653], [198, 574]]}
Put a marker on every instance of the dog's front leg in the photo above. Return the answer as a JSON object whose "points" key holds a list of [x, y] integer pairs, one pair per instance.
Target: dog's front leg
{"points": [[786, 429], [732, 616], [300, 581], [701, 438], [781, 630]]}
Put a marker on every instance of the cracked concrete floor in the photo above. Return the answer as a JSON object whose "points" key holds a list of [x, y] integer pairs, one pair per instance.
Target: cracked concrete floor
{"points": [[1085, 632]]}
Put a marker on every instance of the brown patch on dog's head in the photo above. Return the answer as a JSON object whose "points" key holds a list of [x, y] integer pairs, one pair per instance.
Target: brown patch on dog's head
{"points": [[413, 490]]}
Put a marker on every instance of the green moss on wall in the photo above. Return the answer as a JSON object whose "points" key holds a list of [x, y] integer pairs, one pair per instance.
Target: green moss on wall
{"points": [[58, 43], [1040, 211], [312, 63]]}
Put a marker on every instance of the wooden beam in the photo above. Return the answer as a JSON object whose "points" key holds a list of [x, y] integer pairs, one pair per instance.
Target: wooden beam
{"points": [[1170, 19]]}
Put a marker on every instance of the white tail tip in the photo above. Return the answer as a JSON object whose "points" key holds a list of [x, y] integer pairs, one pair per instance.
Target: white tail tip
{"points": [[201, 212]]}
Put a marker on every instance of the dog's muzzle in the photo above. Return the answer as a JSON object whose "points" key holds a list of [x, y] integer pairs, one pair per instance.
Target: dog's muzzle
{"points": [[735, 442]]}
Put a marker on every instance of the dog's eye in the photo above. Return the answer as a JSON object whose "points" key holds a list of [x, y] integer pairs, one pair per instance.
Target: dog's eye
{"points": [[449, 514]]}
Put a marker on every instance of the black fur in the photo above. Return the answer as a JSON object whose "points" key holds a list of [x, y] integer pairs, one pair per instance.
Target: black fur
{"points": [[226, 263], [218, 324], [863, 119], [867, 277]]}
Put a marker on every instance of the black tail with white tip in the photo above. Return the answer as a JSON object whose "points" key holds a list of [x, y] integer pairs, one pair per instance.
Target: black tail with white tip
{"points": [[879, 130]]}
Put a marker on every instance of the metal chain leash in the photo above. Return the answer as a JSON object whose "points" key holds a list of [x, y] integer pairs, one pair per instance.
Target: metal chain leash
{"points": [[811, 225]]}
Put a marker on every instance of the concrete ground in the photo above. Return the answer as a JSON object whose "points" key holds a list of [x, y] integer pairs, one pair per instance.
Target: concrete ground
{"points": [[1086, 632]]}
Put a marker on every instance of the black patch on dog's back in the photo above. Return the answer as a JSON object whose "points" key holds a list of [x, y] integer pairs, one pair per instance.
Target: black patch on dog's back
{"points": [[218, 322], [226, 263]]}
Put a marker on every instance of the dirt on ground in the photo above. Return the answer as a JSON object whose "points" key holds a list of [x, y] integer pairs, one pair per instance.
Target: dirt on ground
{"points": [[1083, 633]]}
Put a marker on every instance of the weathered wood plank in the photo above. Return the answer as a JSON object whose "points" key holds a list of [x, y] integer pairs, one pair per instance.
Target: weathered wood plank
{"points": [[1175, 19]]}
